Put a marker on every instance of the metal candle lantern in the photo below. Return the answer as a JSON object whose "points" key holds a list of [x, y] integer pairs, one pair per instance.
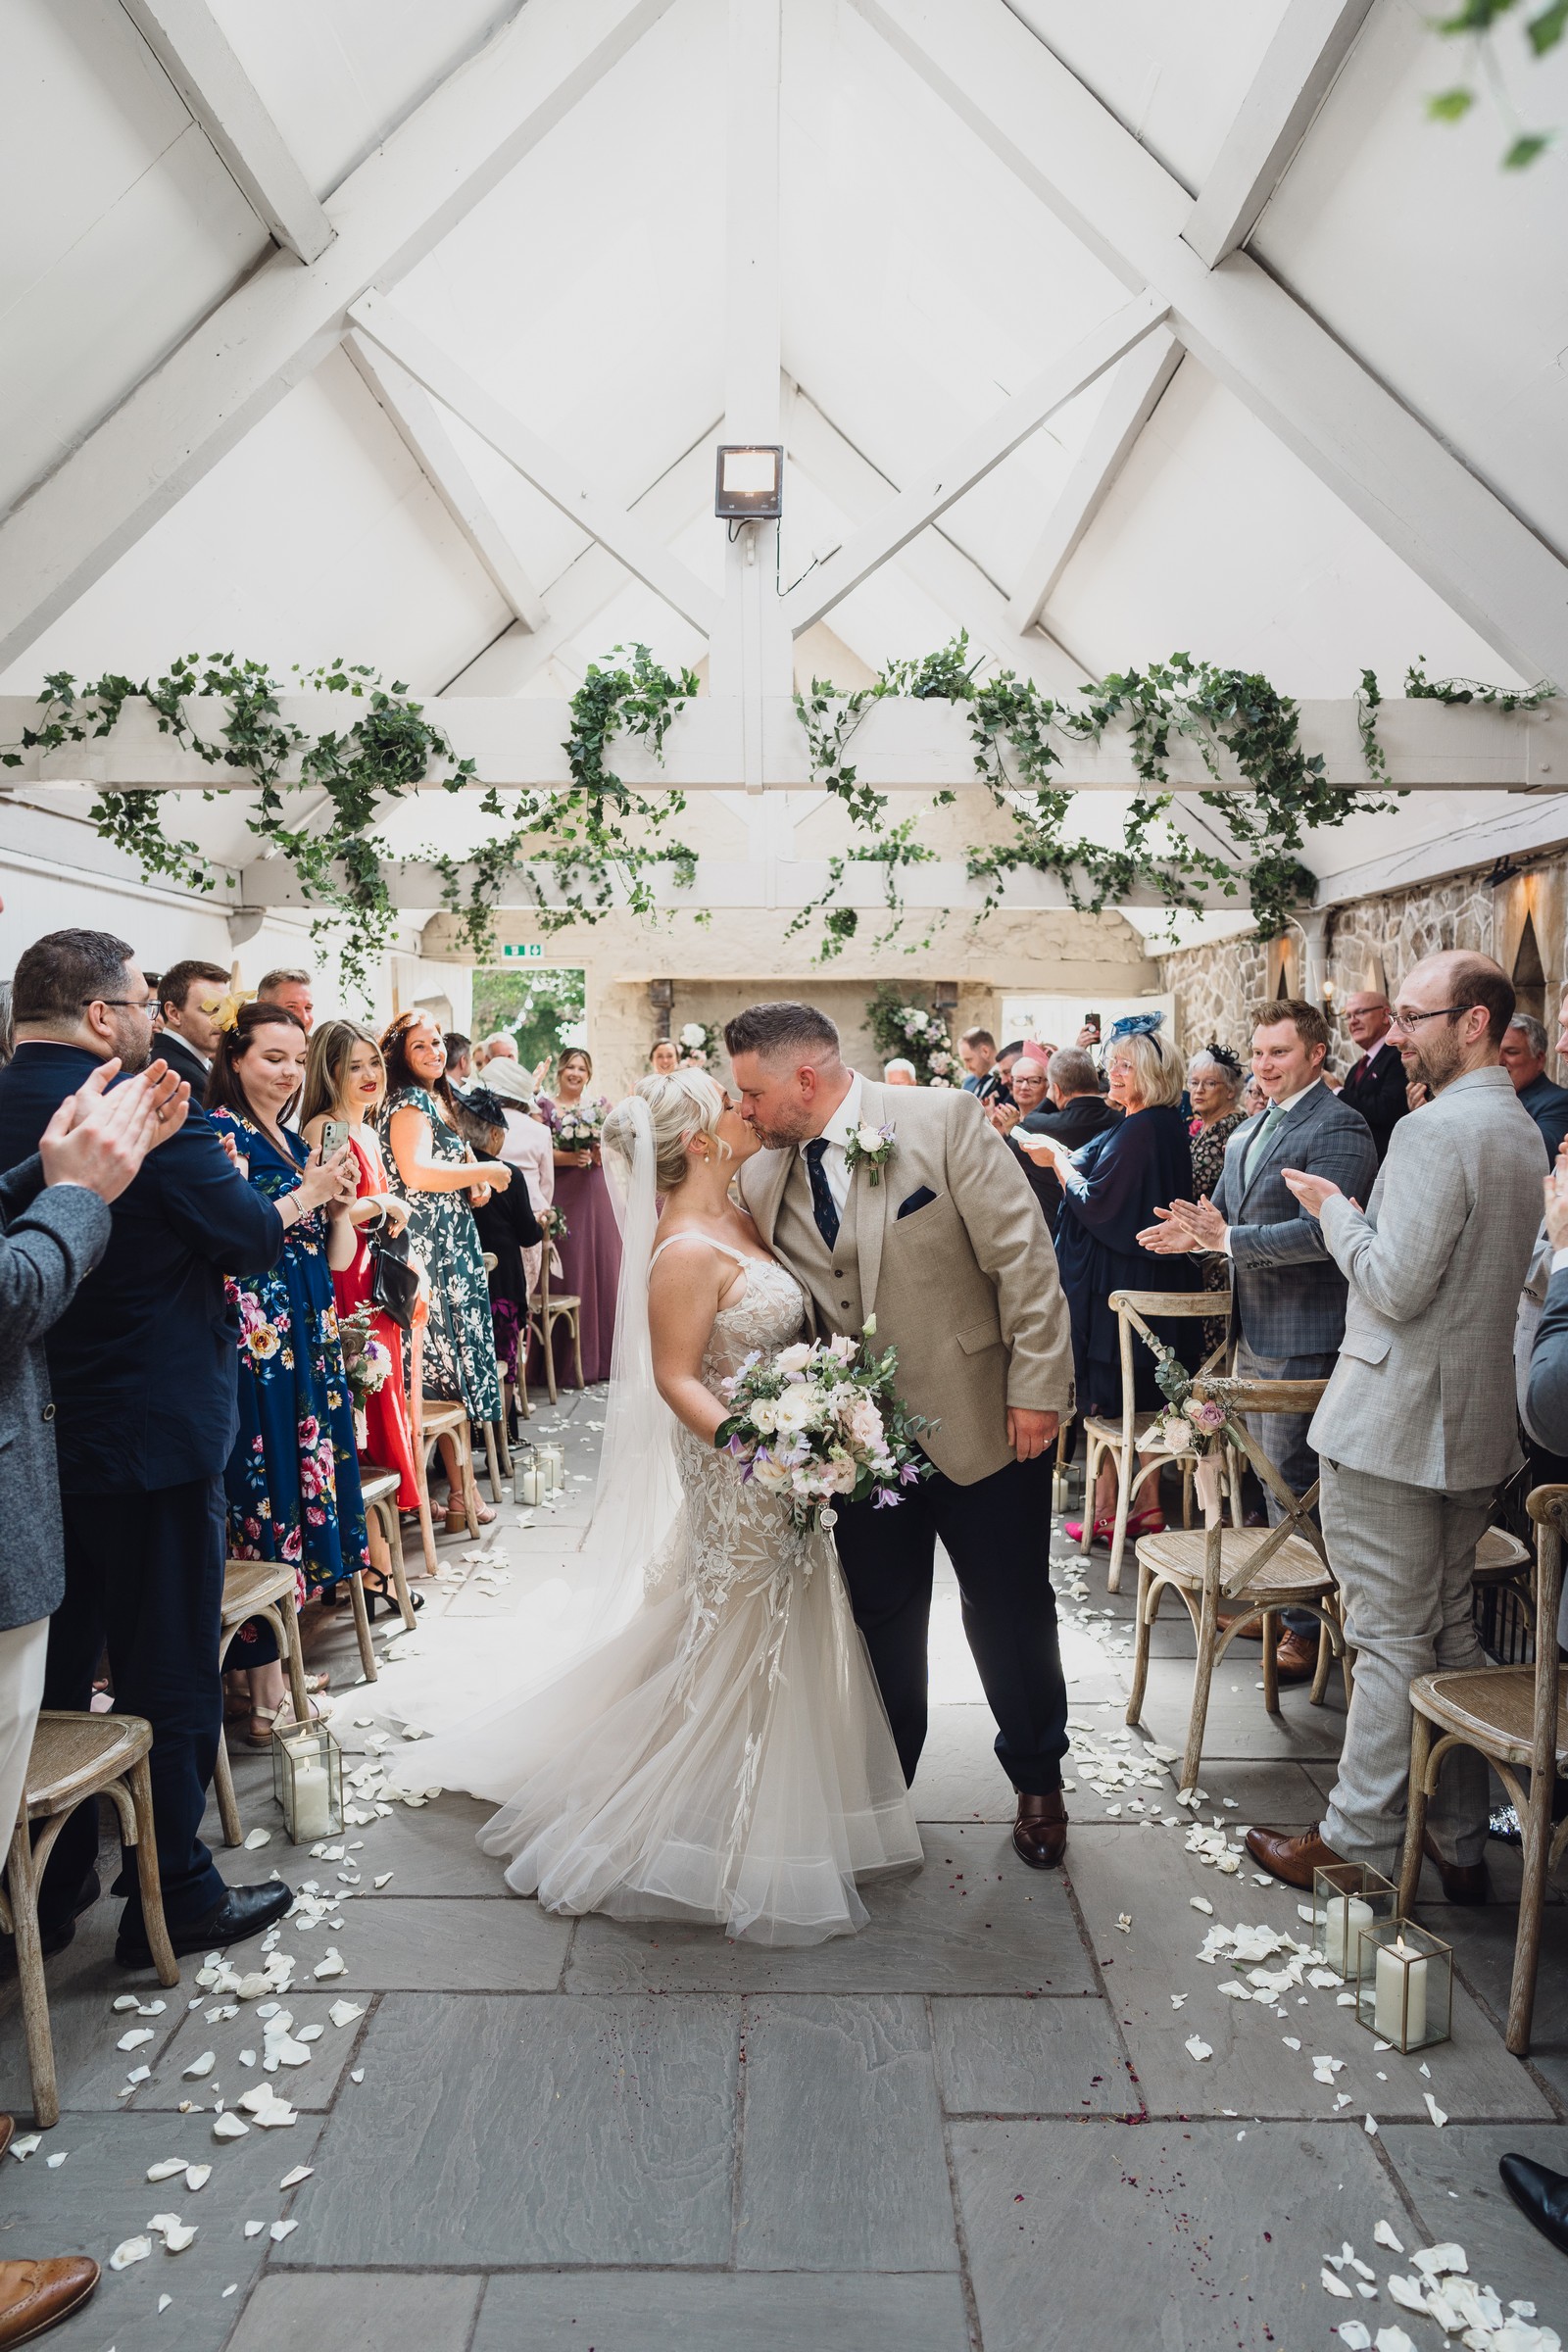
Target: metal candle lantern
{"points": [[1348, 1898], [308, 1781], [1405, 1994]]}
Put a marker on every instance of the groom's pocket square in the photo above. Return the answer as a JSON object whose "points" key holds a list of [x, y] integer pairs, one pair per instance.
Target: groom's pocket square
{"points": [[918, 1200]]}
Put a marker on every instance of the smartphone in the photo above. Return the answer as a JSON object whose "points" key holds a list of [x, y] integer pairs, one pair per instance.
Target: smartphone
{"points": [[1092, 1021], [334, 1135]]}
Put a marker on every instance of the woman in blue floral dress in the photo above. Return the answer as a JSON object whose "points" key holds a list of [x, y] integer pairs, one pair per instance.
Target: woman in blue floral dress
{"points": [[293, 1480], [433, 1169]]}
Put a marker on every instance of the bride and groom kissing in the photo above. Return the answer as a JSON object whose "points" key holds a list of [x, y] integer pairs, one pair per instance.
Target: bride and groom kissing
{"points": [[718, 1750]]}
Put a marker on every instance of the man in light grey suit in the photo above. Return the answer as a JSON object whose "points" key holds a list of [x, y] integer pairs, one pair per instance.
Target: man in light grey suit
{"points": [[1418, 1424], [1288, 1292]]}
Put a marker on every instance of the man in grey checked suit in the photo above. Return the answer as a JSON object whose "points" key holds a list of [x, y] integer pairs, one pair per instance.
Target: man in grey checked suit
{"points": [[1418, 1423], [1288, 1292]]}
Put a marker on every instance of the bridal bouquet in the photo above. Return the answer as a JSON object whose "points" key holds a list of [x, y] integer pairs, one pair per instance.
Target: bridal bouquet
{"points": [[821, 1421], [575, 1126]]}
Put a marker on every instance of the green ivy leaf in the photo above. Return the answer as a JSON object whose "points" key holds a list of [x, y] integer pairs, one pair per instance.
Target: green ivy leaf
{"points": [[1449, 106], [1549, 28], [1526, 148]]}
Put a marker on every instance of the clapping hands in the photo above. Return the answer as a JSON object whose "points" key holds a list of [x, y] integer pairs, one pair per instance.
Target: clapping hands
{"points": [[1185, 1225], [100, 1134]]}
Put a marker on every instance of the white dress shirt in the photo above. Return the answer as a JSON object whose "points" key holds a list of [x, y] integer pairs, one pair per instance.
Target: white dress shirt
{"points": [[1286, 1104], [836, 1133]]}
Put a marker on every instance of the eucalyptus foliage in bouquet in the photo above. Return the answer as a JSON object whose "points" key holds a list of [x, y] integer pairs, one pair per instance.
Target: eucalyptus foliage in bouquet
{"points": [[821, 1423], [1191, 1424]]}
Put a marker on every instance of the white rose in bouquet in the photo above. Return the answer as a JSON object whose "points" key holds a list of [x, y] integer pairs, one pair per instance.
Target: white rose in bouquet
{"points": [[793, 1359], [843, 1346], [693, 1035], [769, 1473], [1174, 1434], [796, 1409], [838, 1474], [764, 1416], [860, 1420], [912, 1021]]}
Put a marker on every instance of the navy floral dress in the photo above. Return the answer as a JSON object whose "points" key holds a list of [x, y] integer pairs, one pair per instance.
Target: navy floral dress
{"points": [[293, 1478], [460, 1342]]}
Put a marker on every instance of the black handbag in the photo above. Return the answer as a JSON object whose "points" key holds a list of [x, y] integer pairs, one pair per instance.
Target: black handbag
{"points": [[394, 1284]]}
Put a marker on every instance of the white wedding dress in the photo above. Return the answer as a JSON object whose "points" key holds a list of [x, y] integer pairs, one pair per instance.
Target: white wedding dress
{"points": [[724, 1756]]}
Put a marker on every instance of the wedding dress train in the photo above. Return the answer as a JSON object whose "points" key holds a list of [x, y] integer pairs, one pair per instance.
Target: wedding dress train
{"points": [[725, 1755]]}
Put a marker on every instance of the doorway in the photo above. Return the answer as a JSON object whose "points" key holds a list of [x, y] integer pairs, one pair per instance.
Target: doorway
{"points": [[1530, 973]]}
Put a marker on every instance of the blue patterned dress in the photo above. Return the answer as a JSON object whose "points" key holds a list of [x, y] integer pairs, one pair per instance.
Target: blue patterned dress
{"points": [[293, 1479], [460, 1341]]}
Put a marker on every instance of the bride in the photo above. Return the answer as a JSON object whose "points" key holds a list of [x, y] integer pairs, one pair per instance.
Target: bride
{"points": [[721, 1753]]}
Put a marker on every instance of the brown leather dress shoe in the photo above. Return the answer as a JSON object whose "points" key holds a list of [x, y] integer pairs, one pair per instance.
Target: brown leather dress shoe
{"points": [[1462, 1881], [1292, 1855], [1294, 1657], [1040, 1832], [36, 2296], [8, 2125]]}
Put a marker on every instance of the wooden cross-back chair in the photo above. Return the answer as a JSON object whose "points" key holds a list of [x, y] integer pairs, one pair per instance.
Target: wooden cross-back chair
{"points": [[1102, 1436], [1517, 1718], [1264, 1569]]}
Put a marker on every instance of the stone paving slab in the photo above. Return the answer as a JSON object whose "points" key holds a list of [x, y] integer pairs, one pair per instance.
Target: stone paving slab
{"points": [[1483, 1942], [843, 2166], [664, 2310], [1029, 2057], [431, 1849], [1250, 2069], [529, 2129], [1238, 1725], [83, 1983], [435, 1943], [959, 1778], [101, 2197], [311, 2087], [1505, 2251], [974, 1919], [358, 2311], [1163, 2230]]}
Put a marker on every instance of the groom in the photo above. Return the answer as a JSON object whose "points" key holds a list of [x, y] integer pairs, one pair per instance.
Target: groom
{"points": [[949, 1253]]}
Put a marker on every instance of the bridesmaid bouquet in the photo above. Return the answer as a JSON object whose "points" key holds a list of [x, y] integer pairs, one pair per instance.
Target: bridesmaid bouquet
{"points": [[822, 1421], [575, 1126], [366, 1363]]}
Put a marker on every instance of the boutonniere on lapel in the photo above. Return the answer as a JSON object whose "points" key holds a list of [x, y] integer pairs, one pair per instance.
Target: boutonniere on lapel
{"points": [[870, 1148]]}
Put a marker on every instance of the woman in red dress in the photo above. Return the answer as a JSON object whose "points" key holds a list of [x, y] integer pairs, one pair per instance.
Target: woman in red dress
{"points": [[346, 1079]]}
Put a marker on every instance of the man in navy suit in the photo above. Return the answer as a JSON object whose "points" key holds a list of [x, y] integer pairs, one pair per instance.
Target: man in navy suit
{"points": [[143, 1365]]}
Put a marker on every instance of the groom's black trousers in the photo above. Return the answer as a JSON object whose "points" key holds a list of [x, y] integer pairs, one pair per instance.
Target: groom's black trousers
{"points": [[998, 1536]]}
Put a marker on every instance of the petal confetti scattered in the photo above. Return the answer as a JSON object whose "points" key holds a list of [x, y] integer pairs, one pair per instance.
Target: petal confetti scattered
{"points": [[301, 2172], [1198, 2048], [130, 2250], [1384, 2233], [281, 2230], [1434, 2110]]}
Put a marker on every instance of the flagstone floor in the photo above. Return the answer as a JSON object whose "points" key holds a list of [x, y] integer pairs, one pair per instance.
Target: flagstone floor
{"points": [[978, 2124]]}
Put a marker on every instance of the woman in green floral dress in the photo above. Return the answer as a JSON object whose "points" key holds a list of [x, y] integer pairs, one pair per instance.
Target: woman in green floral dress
{"points": [[434, 1170]]}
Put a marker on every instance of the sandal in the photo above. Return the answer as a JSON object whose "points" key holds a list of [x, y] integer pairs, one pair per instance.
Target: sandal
{"points": [[279, 1718], [377, 1591]]}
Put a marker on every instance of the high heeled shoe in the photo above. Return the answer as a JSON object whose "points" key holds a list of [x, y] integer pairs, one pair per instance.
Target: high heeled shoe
{"points": [[377, 1592], [1140, 1523]]}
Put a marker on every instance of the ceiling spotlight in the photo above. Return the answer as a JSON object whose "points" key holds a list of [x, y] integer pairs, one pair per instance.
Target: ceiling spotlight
{"points": [[1504, 871], [751, 484]]}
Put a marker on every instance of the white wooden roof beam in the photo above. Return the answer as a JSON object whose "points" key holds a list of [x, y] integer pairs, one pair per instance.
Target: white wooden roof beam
{"points": [[1298, 72], [1130, 399], [982, 450], [1250, 331], [193, 50], [277, 326], [641, 551]]}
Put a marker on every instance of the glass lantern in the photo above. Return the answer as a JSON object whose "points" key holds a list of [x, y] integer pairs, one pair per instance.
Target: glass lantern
{"points": [[528, 1484], [308, 1781], [553, 1466], [1405, 1992], [1348, 1898]]}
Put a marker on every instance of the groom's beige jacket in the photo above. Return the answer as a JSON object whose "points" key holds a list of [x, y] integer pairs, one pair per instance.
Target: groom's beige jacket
{"points": [[964, 1286]]}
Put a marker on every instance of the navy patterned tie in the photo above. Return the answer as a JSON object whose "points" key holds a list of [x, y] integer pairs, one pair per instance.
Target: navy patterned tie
{"points": [[824, 1208]]}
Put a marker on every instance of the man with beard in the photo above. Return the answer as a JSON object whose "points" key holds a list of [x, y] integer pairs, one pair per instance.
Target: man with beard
{"points": [[144, 1369], [1418, 1424]]}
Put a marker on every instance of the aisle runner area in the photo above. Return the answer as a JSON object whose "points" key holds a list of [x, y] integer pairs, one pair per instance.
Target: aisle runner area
{"points": [[1019, 2112]]}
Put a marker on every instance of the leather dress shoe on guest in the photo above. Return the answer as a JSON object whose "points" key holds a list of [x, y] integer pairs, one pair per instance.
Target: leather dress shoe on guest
{"points": [[243, 1912], [1040, 1832], [8, 2125], [1294, 1657], [37, 2295], [1541, 2196], [1462, 1881], [1292, 1855]]}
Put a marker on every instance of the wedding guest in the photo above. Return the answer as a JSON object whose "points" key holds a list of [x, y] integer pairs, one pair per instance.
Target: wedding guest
{"points": [[1215, 1081], [510, 1232], [1418, 1423], [664, 1057], [1375, 1084], [292, 989], [1253, 1098], [1074, 1111], [977, 1051], [1110, 1187], [590, 1245], [1524, 1058], [900, 1073], [144, 1366], [528, 1147], [459, 1058], [500, 1045], [1028, 1092], [293, 1478], [189, 996], [438, 1176], [345, 1080]]}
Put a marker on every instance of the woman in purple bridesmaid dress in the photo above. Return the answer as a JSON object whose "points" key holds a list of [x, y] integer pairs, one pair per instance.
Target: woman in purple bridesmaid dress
{"points": [[590, 1247]]}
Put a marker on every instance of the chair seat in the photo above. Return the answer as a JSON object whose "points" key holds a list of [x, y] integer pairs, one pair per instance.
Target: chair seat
{"points": [[1499, 1558], [377, 1485], [1493, 1706], [442, 1413], [559, 1303], [75, 1754], [1294, 1573], [1109, 1432], [248, 1583]]}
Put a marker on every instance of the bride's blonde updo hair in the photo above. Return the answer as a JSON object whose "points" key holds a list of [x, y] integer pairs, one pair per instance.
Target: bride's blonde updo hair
{"points": [[684, 1104]]}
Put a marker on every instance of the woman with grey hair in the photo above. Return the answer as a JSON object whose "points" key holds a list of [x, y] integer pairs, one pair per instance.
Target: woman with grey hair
{"points": [[1215, 1085]]}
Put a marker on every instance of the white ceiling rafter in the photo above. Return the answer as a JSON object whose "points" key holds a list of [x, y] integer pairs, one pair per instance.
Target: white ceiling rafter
{"points": [[932, 493], [277, 327], [193, 50], [1241, 324], [1130, 399], [1298, 72], [640, 549], [413, 412]]}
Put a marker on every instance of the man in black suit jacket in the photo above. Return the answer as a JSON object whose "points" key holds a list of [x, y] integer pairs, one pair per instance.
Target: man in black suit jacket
{"points": [[1377, 1083], [1076, 1111], [188, 1038], [144, 1367], [1524, 1058]]}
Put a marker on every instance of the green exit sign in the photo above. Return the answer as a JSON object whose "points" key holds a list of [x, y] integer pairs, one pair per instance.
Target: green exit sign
{"points": [[531, 949]]}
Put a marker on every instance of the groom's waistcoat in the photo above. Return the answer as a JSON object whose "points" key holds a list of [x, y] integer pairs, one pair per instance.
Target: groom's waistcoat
{"points": [[833, 1277]]}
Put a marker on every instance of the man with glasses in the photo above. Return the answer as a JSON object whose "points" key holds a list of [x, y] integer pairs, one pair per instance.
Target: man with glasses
{"points": [[1418, 1426], [144, 1366], [1376, 1085]]}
